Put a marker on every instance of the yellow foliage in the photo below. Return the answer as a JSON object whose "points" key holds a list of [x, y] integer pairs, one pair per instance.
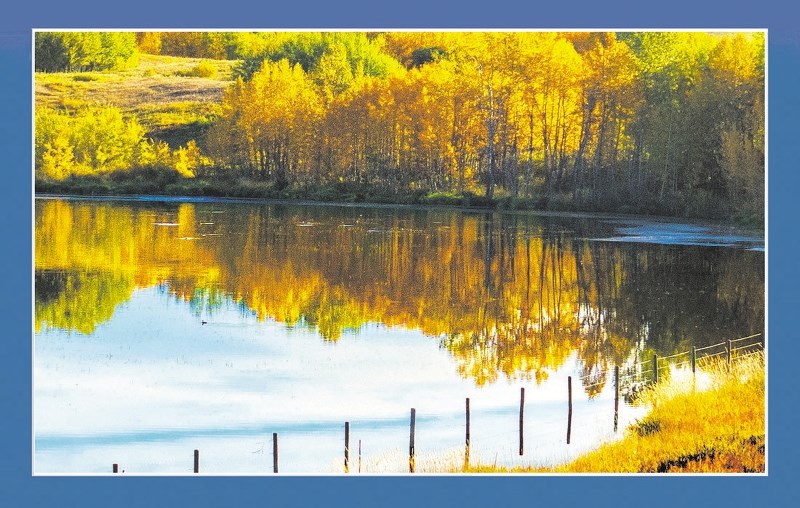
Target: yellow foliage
{"points": [[98, 140], [719, 429], [186, 160], [529, 330]]}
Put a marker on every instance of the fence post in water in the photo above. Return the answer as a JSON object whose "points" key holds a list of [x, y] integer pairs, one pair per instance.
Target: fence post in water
{"points": [[694, 359], [569, 413], [346, 447], [197, 461], [616, 396], [655, 368], [411, 441], [521, 412], [115, 468], [466, 442], [274, 452]]}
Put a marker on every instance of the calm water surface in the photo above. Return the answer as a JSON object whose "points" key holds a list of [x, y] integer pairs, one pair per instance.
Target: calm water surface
{"points": [[165, 326]]}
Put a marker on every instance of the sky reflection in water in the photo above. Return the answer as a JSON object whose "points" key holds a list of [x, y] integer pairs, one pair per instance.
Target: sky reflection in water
{"points": [[389, 310]]}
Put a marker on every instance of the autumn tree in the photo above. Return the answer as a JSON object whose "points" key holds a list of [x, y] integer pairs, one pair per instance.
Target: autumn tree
{"points": [[94, 140], [737, 64], [99, 140], [653, 121], [609, 101], [274, 115]]}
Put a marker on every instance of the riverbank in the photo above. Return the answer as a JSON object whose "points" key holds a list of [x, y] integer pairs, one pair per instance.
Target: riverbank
{"points": [[139, 182], [713, 424]]}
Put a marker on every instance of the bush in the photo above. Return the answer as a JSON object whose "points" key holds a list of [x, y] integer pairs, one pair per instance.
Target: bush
{"points": [[84, 77], [204, 69]]}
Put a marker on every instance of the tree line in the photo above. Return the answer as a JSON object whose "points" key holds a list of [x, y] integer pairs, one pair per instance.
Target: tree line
{"points": [[666, 122]]}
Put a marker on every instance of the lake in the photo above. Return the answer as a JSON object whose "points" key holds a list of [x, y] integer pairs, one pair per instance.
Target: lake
{"points": [[164, 326]]}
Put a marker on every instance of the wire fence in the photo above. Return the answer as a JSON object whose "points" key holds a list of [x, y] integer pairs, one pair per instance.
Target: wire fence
{"points": [[637, 376], [628, 380]]}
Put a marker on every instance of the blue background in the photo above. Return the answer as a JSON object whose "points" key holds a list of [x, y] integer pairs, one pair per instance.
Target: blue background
{"points": [[18, 488]]}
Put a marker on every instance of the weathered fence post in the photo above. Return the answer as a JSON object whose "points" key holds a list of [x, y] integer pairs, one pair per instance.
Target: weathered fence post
{"points": [[411, 441], [655, 368], [569, 413], [274, 452], [346, 447], [616, 396], [694, 359], [115, 468], [521, 419], [197, 461], [729, 351], [466, 441]]}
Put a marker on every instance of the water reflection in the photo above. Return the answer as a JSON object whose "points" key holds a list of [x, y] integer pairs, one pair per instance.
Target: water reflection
{"points": [[508, 295]]}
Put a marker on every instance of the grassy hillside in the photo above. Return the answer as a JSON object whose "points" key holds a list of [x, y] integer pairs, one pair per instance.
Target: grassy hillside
{"points": [[175, 98]]}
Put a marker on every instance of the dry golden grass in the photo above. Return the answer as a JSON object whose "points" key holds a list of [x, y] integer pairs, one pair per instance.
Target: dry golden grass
{"points": [[711, 423], [173, 98], [714, 423], [158, 81]]}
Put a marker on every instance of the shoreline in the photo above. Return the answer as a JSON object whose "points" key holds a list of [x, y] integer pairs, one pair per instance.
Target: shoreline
{"points": [[494, 208]]}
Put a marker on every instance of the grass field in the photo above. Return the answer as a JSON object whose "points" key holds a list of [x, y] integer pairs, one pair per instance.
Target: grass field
{"points": [[174, 98]]}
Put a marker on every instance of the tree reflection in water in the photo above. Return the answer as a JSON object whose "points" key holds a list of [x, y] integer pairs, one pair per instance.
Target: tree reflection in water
{"points": [[509, 295]]}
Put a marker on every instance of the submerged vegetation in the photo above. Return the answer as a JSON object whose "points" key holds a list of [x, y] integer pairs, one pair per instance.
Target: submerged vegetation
{"points": [[655, 122], [714, 423]]}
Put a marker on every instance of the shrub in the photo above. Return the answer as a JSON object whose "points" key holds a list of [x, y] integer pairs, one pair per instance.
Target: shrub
{"points": [[204, 69]]}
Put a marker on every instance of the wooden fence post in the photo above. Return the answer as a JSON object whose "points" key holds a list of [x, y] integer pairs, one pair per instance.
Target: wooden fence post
{"points": [[729, 351], [521, 420], [197, 461], [274, 452], [346, 447], [115, 468], [655, 368], [411, 441], [466, 442], [616, 396], [359, 455], [569, 413], [694, 359]]}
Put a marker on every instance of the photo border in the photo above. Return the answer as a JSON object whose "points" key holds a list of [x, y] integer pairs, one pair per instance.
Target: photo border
{"points": [[19, 488]]}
